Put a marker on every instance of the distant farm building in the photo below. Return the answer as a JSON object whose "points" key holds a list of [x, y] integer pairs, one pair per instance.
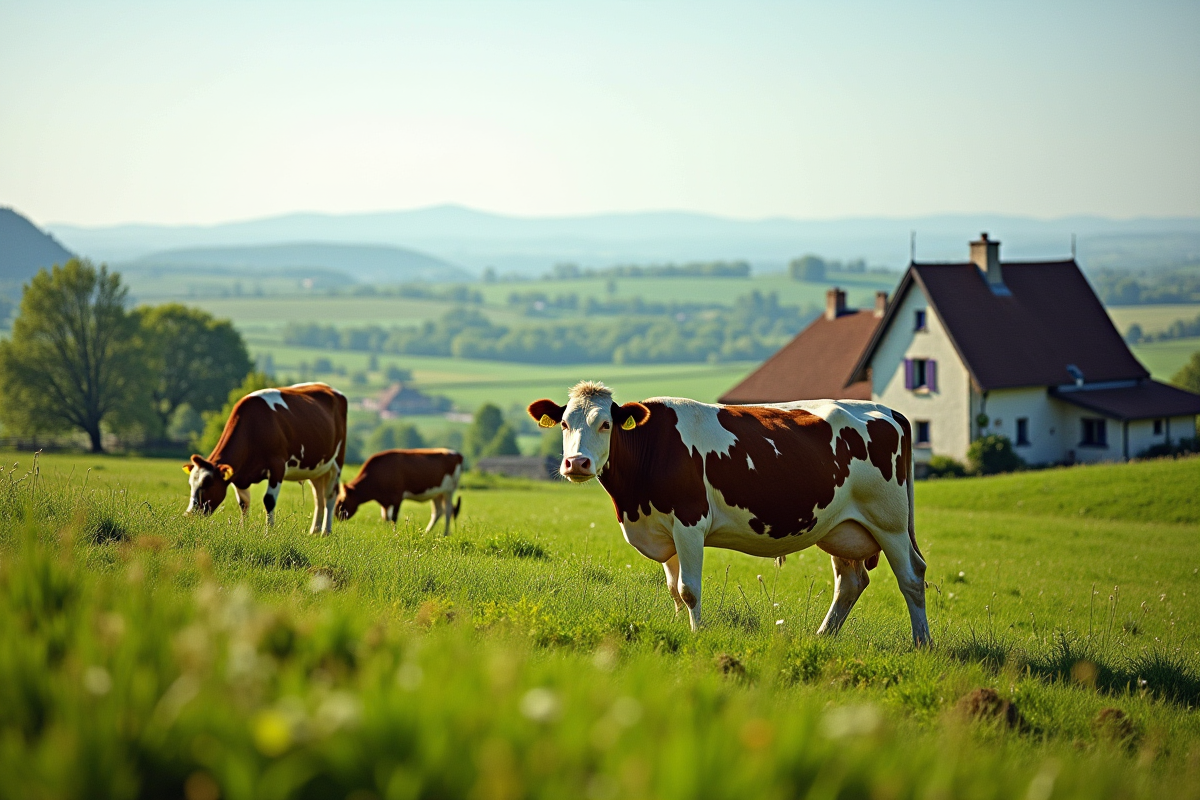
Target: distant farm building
{"points": [[1023, 349], [538, 468], [401, 399]]}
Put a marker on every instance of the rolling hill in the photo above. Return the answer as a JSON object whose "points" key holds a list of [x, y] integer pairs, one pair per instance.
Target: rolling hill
{"points": [[530, 245], [362, 263], [24, 249]]}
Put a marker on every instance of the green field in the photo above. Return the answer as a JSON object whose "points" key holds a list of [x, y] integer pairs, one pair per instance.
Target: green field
{"points": [[1152, 318], [1164, 359], [535, 654]]}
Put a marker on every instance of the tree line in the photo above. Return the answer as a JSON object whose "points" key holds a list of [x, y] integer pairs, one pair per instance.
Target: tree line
{"points": [[692, 269], [755, 327], [1122, 288], [79, 360]]}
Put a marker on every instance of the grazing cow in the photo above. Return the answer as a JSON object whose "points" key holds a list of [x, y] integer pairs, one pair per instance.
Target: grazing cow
{"points": [[296, 433], [393, 476], [763, 480]]}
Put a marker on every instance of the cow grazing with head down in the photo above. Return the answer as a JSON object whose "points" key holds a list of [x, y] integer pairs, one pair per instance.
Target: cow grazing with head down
{"points": [[393, 476], [763, 480], [295, 433]]}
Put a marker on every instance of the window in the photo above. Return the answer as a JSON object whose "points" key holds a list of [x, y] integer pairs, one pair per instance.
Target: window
{"points": [[919, 319], [1158, 427], [920, 373], [922, 433], [1095, 432], [1022, 430]]}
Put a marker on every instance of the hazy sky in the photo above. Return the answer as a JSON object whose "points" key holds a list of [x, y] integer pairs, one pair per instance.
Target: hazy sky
{"points": [[169, 112]]}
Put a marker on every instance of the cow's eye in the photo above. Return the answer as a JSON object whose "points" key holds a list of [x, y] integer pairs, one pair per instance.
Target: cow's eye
{"points": [[566, 427], [605, 426]]}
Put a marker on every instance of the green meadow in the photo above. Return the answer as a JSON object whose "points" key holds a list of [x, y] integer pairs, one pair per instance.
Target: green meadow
{"points": [[535, 654]]}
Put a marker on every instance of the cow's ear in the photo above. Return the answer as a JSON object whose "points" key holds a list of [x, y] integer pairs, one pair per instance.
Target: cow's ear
{"points": [[188, 467], [630, 415], [196, 461], [226, 471], [547, 412]]}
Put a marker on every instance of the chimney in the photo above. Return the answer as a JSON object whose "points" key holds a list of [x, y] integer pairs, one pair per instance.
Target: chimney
{"points": [[835, 303], [985, 254], [880, 303]]}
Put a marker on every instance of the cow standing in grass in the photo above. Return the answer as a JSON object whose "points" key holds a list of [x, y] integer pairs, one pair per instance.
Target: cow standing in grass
{"points": [[763, 480], [296, 433], [393, 476]]}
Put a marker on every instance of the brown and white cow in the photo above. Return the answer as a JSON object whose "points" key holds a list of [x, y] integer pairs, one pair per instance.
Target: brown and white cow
{"points": [[763, 480], [393, 476], [295, 433]]}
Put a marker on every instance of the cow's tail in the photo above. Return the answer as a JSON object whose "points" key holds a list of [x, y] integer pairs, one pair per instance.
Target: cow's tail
{"points": [[457, 506], [906, 455]]}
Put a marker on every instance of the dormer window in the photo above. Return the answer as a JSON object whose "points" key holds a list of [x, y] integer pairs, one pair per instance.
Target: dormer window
{"points": [[919, 320], [920, 374]]}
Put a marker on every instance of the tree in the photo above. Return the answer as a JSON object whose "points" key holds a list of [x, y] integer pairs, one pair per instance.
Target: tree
{"points": [[195, 359], [808, 268], [388, 437], [214, 421], [489, 435], [1188, 376], [74, 359]]}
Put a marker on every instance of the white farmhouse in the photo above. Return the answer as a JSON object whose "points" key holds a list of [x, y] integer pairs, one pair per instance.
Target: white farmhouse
{"points": [[1023, 349]]}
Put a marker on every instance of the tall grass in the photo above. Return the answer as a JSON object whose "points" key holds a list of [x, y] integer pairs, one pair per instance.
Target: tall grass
{"points": [[147, 655]]}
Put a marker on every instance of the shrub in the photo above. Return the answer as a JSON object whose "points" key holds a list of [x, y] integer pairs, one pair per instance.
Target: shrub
{"points": [[1180, 447], [992, 454], [946, 467]]}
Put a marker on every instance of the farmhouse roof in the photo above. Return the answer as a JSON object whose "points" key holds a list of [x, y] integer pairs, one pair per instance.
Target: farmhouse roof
{"points": [[816, 365], [1042, 327], [1145, 400]]}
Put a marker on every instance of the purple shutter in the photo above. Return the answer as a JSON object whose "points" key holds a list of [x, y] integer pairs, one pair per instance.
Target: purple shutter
{"points": [[908, 373], [931, 375]]}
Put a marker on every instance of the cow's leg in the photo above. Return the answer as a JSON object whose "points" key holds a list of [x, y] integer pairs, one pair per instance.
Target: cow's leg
{"points": [[849, 580], [318, 490], [435, 513], [909, 568], [271, 499], [671, 567], [331, 492], [243, 499], [447, 501], [689, 548], [386, 513]]}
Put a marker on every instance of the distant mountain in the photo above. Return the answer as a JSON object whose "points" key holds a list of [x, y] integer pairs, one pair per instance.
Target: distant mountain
{"points": [[24, 249], [531, 245], [362, 263]]}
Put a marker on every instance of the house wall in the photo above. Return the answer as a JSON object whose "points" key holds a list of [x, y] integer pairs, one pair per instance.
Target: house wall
{"points": [[947, 409], [1141, 433], [1048, 439]]}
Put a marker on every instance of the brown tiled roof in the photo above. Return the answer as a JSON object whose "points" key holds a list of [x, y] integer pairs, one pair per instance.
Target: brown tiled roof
{"points": [[1049, 318], [1146, 400], [816, 365]]}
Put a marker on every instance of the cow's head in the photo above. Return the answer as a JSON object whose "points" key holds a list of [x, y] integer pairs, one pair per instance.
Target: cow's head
{"points": [[208, 484], [587, 422], [347, 503]]}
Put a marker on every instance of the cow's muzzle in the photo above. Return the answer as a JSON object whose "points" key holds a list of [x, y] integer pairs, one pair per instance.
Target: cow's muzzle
{"points": [[577, 469]]}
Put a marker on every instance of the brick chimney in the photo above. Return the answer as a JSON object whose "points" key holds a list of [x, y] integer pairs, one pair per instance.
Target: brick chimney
{"points": [[880, 303], [835, 303], [985, 254]]}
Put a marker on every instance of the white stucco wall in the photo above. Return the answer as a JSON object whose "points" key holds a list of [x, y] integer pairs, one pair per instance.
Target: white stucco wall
{"points": [[947, 409], [1048, 442], [1141, 433]]}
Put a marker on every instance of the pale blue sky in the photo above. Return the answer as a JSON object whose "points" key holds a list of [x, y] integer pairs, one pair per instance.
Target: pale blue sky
{"points": [[165, 112]]}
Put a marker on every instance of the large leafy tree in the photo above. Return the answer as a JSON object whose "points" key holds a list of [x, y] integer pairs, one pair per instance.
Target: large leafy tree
{"points": [[73, 361], [195, 359]]}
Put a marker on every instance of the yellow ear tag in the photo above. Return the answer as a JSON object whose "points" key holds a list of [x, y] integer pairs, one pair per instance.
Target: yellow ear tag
{"points": [[187, 468], [546, 422], [226, 471], [629, 424]]}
